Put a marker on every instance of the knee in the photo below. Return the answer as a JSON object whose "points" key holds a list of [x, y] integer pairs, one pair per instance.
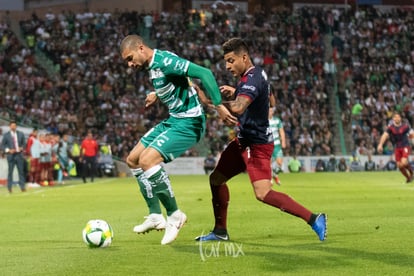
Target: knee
{"points": [[145, 163], [260, 196], [216, 179], [213, 180], [261, 192], [130, 162]]}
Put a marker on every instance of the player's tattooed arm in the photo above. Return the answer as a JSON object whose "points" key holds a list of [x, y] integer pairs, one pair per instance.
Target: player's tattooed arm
{"points": [[239, 105], [236, 104]]}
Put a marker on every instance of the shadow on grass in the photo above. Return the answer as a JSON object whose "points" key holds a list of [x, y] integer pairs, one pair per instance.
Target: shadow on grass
{"points": [[300, 257]]}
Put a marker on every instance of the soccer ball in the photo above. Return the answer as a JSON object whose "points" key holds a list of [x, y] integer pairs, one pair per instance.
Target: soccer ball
{"points": [[97, 233]]}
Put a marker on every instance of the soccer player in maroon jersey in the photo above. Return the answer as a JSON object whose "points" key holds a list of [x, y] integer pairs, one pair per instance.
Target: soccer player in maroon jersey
{"points": [[252, 150], [399, 132]]}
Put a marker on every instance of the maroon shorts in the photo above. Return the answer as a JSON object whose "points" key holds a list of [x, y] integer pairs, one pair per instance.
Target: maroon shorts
{"points": [[34, 164], [402, 153], [45, 165], [255, 159]]}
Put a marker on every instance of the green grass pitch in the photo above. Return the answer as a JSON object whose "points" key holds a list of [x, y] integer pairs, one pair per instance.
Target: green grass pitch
{"points": [[370, 229]]}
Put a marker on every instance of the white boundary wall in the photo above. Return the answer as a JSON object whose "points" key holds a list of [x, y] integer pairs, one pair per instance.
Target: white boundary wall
{"points": [[194, 165]]}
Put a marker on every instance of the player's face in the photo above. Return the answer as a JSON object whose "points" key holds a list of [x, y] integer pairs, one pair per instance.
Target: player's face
{"points": [[13, 127], [134, 57], [397, 119], [270, 112], [235, 64]]}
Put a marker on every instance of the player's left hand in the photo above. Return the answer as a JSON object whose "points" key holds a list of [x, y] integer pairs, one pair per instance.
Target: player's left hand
{"points": [[151, 99], [227, 91]]}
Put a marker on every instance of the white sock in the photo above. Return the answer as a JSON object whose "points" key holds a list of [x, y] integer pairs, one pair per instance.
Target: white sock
{"points": [[151, 171], [137, 172]]}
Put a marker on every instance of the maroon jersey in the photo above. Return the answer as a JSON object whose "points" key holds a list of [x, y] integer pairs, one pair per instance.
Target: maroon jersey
{"points": [[254, 122], [399, 135]]}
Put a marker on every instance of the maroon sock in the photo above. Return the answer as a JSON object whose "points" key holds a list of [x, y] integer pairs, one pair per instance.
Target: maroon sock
{"points": [[220, 201], [404, 171], [287, 204], [409, 169]]}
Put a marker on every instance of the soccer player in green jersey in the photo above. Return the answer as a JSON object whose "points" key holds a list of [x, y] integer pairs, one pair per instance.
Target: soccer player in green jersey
{"points": [[170, 138], [276, 125]]}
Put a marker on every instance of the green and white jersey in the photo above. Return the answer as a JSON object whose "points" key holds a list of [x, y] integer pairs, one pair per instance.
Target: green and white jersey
{"points": [[168, 74], [275, 124]]}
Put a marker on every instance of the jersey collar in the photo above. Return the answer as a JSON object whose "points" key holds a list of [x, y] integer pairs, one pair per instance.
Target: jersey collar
{"points": [[248, 71], [152, 59]]}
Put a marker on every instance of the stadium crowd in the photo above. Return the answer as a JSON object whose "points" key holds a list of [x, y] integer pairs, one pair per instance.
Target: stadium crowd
{"points": [[301, 51], [376, 55]]}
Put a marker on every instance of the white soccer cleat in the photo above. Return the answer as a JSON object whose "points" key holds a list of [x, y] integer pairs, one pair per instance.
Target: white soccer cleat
{"points": [[152, 222], [174, 224]]}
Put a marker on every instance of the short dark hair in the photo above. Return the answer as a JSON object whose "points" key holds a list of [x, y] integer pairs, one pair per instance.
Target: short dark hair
{"points": [[131, 41], [236, 45]]}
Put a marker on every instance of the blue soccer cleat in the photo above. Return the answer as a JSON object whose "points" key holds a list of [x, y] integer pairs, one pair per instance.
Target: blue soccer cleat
{"points": [[213, 237], [320, 226]]}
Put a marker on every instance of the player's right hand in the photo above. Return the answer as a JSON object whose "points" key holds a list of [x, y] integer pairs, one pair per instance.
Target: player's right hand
{"points": [[226, 116], [379, 149]]}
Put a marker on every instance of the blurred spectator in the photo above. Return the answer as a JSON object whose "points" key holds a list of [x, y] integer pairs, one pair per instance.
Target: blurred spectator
{"points": [[34, 159], [356, 114], [209, 163], [33, 156], [294, 165], [89, 150], [370, 164], [381, 165], [355, 164], [75, 153], [13, 145], [342, 166], [148, 23], [62, 155], [388, 148], [391, 165], [331, 165], [320, 165], [46, 159]]}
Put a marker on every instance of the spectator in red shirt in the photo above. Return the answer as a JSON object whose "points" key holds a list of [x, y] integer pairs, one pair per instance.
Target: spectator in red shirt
{"points": [[88, 157]]}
